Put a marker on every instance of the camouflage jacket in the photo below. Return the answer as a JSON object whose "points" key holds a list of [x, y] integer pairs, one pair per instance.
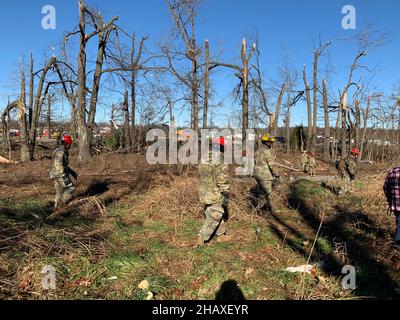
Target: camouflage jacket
{"points": [[264, 166], [304, 158], [351, 167], [347, 168], [214, 182], [59, 164], [311, 162]]}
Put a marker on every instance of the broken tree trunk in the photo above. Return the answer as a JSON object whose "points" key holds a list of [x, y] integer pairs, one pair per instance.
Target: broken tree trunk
{"points": [[278, 109], [326, 117], [308, 99]]}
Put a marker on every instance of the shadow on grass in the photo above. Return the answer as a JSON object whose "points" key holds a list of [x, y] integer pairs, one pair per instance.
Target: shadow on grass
{"points": [[230, 291], [360, 240]]}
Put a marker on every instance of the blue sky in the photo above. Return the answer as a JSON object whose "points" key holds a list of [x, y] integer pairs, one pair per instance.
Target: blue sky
{"points": [[289, 23]]}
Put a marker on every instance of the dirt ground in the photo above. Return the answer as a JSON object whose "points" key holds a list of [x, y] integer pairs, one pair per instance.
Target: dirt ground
{"points": [[131, 236]]}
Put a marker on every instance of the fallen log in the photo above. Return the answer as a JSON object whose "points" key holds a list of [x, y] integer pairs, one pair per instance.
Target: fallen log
{"points": [[315, 178], [286, 167], [6, 161]]}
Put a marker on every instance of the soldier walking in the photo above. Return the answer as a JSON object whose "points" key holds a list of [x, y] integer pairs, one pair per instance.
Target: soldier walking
{"points": [[347, 169], [264, 168], [60, 172], [213, 194], [311, 164], [304, 161], [392, 192]]}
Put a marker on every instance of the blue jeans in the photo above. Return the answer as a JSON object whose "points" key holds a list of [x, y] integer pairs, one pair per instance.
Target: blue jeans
{"points": [[397, 233]]}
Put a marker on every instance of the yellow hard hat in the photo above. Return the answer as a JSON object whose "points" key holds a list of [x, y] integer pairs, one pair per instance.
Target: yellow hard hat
{"points": [[268, 138]]}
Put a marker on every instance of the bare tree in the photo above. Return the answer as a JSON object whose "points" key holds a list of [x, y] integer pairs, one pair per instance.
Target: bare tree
{"points": [[278, 110], [317, 54], [206, 85], [103, 31], [243, 73], [28, 123], [184, 13]]}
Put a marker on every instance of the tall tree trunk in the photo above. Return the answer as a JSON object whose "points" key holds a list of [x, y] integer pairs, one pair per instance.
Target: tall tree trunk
{"points": [[357, 124], [326, 116], [344, 123], [278, 109], [245, 89], [133, 104], [127, 130], [133, 88], [22, 113], [271, 123], [364, 131], [206, 85], [315, 101], [48, 116], [84, 146], [39, 100], [7, 133], [31, 91], [288, 123], [245, 108], [103, 39], [195, 94], [308, 99]]}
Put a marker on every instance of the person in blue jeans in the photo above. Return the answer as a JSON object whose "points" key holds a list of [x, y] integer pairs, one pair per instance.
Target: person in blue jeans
{"points": [[392, 192]]}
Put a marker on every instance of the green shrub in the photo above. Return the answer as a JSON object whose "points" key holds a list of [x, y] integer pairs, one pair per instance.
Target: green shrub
{"points": [[113, 142]]}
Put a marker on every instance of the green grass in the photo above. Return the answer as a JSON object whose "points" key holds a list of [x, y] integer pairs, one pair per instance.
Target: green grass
{"points": [[111, 267], [324, 245]]}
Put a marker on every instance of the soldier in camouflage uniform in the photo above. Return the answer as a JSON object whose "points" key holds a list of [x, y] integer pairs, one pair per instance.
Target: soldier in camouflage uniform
{"points": [[311, 164], [60, 172], [347, 169], [265, 171], [213, 193], [304, 161]]}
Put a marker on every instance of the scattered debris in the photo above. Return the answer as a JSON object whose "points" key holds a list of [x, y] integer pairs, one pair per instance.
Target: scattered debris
{"points": [[307, 268], [144, 285], [149, 296], [248, 272]]}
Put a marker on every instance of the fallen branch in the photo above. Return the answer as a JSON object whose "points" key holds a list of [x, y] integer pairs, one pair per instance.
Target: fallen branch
{"points": [[6, 161], [289, 168]]}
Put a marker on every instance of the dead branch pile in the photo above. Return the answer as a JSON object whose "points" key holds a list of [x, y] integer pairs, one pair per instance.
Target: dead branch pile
{"points": [[372, 191], [177, 198]]}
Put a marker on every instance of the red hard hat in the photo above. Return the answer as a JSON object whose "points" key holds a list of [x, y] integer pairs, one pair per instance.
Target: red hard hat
{"points": [[220, 141], [355, 151], [67, 139]]}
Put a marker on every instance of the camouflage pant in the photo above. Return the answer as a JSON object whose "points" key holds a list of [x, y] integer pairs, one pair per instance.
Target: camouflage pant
{"points": [[266, 190], [311, 170], [348, 184], [214, 223], [64, 191], [265, 185], [340, 186]]}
